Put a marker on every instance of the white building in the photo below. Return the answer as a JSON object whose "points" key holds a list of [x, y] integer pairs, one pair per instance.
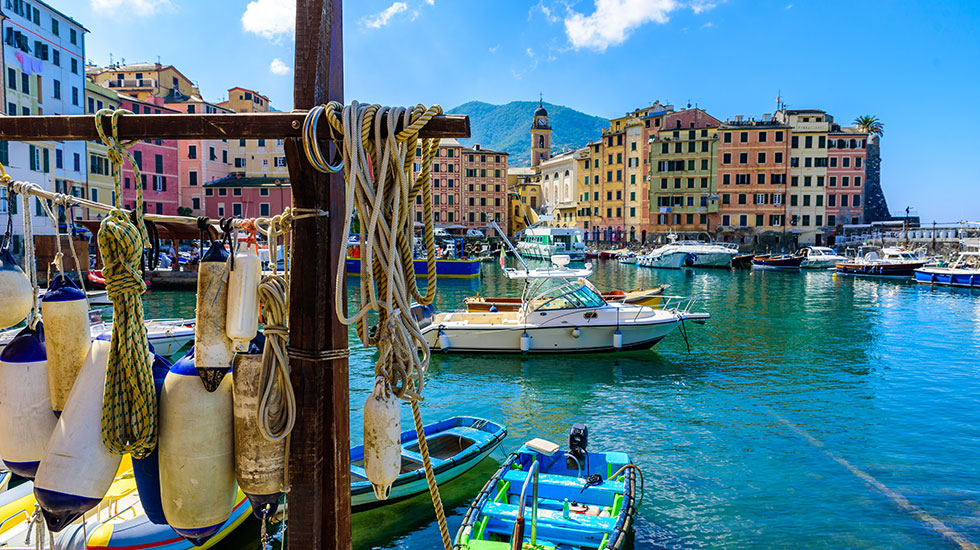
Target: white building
{"points": [[44, 74], [557, 177]]}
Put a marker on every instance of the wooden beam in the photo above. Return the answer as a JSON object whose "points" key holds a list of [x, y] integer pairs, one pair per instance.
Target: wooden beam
{"points": [[319, 451], [194, 126]]}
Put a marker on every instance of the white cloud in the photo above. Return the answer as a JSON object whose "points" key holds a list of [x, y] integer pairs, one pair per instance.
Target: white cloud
{"points": [[701, 6], [613, 21], [272, 19], [707, 25], [529, 52], [277, 67], [131, 7], [430, 2], [381, 19], [789, 6], [493, 49]]}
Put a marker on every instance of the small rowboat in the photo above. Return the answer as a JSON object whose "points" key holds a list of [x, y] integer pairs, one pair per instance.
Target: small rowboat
{"points": [[456, 445], [784, 262], [569, 507], [650, 297], [742, 261]]}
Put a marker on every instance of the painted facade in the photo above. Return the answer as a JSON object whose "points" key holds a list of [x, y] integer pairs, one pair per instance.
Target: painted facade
{"points": [[246, 197], [199, 161], [807, 173], [144, 81], [847, 155], [100, 184], [157, 160]]}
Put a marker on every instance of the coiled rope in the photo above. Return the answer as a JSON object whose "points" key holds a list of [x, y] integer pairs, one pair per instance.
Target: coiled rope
{"points": [[129, 412], [378, 173]]}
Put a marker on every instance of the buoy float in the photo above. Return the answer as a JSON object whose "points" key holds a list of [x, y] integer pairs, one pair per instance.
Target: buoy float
{"points": [[146, 470], [525, 342], [443, 340], [26, 419], [260, 464], [16, 292], [242, 318], [196, 448], [212, 347], [66, 336], [618, 339], [576, 332], [382, 438], [77, 469]]}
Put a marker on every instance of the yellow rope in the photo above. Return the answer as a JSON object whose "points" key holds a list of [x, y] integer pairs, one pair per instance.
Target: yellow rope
{"points": [[129, 412], [378, 173]]}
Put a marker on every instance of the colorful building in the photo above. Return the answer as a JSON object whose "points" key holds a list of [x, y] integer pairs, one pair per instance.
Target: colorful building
{"points": [[524, 197], [683, 173], [807, 173], [246, 197], [157, 160], [558, 178], [753, 171], [200, 160], [847, 155], [469, 186], [540, 136], [101, 187], [144, 81]]}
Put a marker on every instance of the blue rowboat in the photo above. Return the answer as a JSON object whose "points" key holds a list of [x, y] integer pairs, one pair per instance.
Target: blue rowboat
{"points": [[574, 501], [456, 445], [964, 272], [445, 269]]}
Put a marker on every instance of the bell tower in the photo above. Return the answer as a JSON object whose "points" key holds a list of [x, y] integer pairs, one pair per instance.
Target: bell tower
{"points": [[540, 135]]}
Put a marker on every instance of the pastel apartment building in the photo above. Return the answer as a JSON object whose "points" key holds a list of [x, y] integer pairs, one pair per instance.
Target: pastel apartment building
{"points": [[158, 164], [807, 173], [200, 160], [101, 187], [847, 156], [246, 197], [144, 81], [469, 186]]}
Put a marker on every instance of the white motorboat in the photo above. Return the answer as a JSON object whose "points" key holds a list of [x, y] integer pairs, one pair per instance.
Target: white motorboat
{"points": [[544, 242], [627, 258], [664, 259], [167, 336], [569, 318], [819, 257]]}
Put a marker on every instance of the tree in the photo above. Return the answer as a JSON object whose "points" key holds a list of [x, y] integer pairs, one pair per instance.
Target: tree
{"points": [[870, 124]]}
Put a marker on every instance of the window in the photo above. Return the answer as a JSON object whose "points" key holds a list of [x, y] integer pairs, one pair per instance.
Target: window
{"points": [[807, 180], [236, 209], [793, 200], [808, 140], [192, 151], [25, 83], [726, 179], [158, 163], [59, 160], [845, 181], [762, 158], [743, 137], [822, 143], [77, 162], [777, 179], [856, 201], [280, 161], [819, 181], [846, 162], [73, 36], [728, 137], [726, 158], [74, 65], [832, 220], [726, 220], [806, 221], [760, 179], [261, 143], [819, 203], [192, 178], [806, 200], [843, 200], [795, 142], [776, 199], [762, 139], [778, 157], [74, 95], [807, 162], [742, 197], [760, 198], [857, 162], [237, 191], [239, 162], [779, 135], [857, 181], [743, 158], [12, 81]]}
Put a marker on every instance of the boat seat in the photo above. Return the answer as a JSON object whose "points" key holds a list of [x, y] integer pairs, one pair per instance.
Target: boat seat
{"points": [[552, 518], [561, 487]]}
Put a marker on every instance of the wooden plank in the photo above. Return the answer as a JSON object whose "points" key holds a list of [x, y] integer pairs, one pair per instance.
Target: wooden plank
{"points": [[194, 126], [319, 452]]}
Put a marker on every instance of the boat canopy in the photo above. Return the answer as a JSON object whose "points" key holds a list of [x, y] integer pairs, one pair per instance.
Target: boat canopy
{"points": [[553, 272]]}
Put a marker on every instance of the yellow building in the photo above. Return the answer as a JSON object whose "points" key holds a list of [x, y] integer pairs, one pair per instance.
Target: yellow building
{"points": [[143, 80], [99, 181], [683, 179], [243, 100], [807, 172], [524, 198], [263, 158]]}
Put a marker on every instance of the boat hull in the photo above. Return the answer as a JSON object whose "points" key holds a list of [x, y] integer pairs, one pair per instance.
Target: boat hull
{"points": [[445, 269], [711, 259], [941, 276], [895, 270], [830, 263], [787, 263], [669, 260]]}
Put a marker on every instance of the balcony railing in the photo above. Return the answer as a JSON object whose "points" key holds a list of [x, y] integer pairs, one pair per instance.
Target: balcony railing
{"points": [[134, 83]]}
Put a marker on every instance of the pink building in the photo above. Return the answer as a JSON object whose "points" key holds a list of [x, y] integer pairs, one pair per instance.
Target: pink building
{"points": [[199, 161], [847, 155], [245, 197], [157, 160]]}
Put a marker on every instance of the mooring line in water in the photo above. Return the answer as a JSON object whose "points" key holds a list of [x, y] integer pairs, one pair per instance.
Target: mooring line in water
{"points": [[934, 523]]}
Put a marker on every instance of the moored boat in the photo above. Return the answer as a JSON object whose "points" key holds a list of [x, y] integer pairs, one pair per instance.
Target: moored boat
{"points": [[642, 296], [544, 242], [780, 262], [742, 261], [664, 259], [573, 500], [897, 263], [964, 272], [819, 257], [626, 258], [445, 268], [167, 336], [455, 446]]}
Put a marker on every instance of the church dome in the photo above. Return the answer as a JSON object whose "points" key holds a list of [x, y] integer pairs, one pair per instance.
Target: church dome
{"points": [[540, 111]]}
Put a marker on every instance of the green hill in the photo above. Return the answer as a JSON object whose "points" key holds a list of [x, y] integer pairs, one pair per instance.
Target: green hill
{"points": [[506, 127]]}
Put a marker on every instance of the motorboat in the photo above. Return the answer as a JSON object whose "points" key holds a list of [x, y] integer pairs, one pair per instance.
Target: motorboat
{"points": [[893, 262], [167, 336], [698, 253], [455, 446], [964, 272], [664, 258], [560, 312], [544, 242], [627, 258], [573, 499], [642, 296], [819, 257], [785, 262]]}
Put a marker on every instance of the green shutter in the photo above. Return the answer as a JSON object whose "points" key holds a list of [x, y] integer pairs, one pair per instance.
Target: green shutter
{"points": [[47, 161], [33, 160]]}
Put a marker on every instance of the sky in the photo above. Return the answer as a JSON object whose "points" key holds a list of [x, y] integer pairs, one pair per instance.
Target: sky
{"points": [[915, 65]]}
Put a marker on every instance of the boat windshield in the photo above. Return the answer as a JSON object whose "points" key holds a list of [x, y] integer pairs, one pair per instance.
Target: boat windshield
{"points": [[575, 296]]}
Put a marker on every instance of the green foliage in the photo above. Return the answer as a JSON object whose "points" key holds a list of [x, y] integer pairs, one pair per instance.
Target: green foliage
{"points": [[870, 124], [507, 127], [184, 211]]}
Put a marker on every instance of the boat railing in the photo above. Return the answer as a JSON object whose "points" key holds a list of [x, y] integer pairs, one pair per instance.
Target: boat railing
{"points": [[517, 540], [679, 304]]}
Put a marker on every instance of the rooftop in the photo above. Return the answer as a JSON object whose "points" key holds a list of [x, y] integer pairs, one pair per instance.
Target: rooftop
{"points": [[237, 181]]}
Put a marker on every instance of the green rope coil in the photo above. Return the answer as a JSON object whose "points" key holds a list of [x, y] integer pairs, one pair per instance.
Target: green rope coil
{"points": [[129, 406]]}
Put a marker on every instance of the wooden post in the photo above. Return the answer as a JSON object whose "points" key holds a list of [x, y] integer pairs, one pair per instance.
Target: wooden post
{"points": [[319, 453]]}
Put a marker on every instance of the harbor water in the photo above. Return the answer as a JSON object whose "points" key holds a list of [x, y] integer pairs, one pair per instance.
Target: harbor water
{"points": [[811, 411]]}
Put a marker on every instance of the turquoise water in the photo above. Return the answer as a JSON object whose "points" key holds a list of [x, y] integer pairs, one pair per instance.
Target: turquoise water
{"points": [[811, 411]]}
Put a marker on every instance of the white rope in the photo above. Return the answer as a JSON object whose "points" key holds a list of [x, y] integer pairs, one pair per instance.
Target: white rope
{"points": [[24, 189]]}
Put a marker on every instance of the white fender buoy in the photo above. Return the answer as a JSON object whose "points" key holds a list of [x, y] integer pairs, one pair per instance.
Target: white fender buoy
{"points": [[67, 338], [576, 332], [382, 438], [212, 347], [242, 318], [260, 464], [77, 469], [16, 292], [618, 339], [196, 450], [443, 340], [26, 419], [525, 342]]}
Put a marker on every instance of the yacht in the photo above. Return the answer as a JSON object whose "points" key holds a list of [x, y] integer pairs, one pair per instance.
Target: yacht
{"points": [[664, 258], [544, 242], [570, 316], [891, 262], [697, 253], [964, 272], [819, 257]]}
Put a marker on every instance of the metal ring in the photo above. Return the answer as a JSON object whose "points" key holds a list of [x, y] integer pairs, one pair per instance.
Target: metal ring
{"points": [[312, 145]]}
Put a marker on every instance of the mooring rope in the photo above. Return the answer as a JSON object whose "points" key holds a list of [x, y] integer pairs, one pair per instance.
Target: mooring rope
{"points": [[23, 188], [129, 413], [378, 173]]}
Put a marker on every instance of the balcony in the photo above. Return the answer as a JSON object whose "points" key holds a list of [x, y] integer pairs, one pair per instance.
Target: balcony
{"points": [[135, 83]]}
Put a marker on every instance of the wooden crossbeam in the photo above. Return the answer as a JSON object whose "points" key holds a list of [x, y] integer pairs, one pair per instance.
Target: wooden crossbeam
{"points": [[195, 126]]}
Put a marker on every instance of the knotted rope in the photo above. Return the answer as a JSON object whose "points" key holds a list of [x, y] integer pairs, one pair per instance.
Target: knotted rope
{"points": [[129, 412], [378, 172]]}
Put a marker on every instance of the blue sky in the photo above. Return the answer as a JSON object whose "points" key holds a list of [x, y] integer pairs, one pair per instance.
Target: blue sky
{"points": [[916, 65]]}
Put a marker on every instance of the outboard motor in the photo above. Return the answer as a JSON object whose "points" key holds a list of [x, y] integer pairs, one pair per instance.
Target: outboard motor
{"points": [[578, 440]]}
